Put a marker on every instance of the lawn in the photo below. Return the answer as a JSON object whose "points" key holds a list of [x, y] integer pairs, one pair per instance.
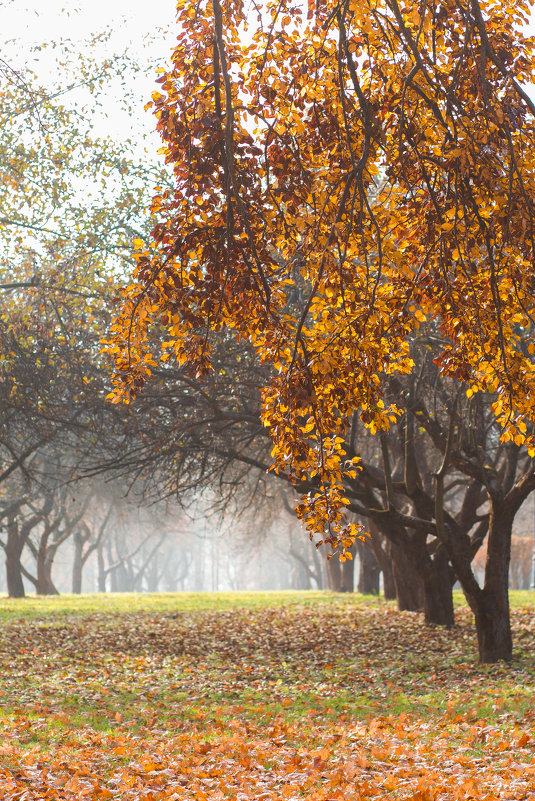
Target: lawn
{"points": [[258, 696]]}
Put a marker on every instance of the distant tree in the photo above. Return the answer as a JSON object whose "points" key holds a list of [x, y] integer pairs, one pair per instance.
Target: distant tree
{"points": [[69, 210]]}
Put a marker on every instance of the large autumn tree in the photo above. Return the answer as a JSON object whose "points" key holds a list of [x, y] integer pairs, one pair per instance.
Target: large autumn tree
{"points": [[346, 173]]}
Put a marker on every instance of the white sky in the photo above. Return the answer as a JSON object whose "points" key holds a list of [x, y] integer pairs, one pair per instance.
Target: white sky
{"points": [[47, 20], [134, 24]]}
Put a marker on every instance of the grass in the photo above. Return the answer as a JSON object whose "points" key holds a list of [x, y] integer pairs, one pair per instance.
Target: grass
{"points": [[200, 679], [48, 608]]}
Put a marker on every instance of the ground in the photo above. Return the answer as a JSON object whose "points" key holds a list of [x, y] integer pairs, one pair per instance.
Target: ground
{"points": [[259, 696]]}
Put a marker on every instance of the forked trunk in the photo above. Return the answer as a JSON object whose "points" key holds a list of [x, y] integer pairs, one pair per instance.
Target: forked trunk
{"points": [[44, 584]]}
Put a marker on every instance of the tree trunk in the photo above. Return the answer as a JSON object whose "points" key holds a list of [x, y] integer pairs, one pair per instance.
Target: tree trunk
{"points": [[369, 570], [380, 547], [437, 589], [407, 582], [435, 580], [334, 574], [317, 566], [493, 627], [44, 585], [13, 549], [389, 587], [348, 571], [101, 568], [491, 604], [15, 584], [77, 564]]}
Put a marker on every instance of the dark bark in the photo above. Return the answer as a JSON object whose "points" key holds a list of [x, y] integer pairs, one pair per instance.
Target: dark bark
{"points": [[436, 586], [17, 532], [407, 582], [490, 605], [380, 546], [493, 627], [15, 584], [389, 587], [369, 570], [334, 574]]}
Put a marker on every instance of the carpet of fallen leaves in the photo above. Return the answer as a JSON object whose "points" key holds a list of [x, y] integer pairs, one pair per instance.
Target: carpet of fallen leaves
{"points": [[325, 701]]}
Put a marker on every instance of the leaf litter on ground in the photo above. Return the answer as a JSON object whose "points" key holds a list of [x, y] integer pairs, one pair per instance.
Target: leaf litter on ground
{"points": [[331, 700]]}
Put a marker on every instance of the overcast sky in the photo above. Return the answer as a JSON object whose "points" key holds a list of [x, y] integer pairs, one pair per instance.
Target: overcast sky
{"points": [[25, 24], [41, 20]]}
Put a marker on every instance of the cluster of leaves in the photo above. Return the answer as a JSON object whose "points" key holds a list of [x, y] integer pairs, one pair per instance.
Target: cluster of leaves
{"points": [[330, 698]]}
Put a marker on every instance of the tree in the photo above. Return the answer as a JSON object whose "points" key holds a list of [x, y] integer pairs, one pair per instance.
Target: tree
{"points": [[69, 208], [378, 159]]}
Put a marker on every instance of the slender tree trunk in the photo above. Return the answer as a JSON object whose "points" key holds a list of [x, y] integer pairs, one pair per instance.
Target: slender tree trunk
{"points": [[101, 569], [389, 587], [348, 571], [77, 564], [317, 564]]}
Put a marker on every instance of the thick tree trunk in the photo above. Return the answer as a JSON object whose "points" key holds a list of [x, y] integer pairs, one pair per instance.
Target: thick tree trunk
{"points": [[15, 584], [13, 549], [407, 582], [435, 580], [389, 587], [437, 590], [334, 574], [44, 585], [491, 604], [369, 570], [493, 627]]}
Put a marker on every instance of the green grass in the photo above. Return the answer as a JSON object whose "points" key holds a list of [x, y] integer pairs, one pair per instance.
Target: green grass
{"points": [[49, 607]]}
